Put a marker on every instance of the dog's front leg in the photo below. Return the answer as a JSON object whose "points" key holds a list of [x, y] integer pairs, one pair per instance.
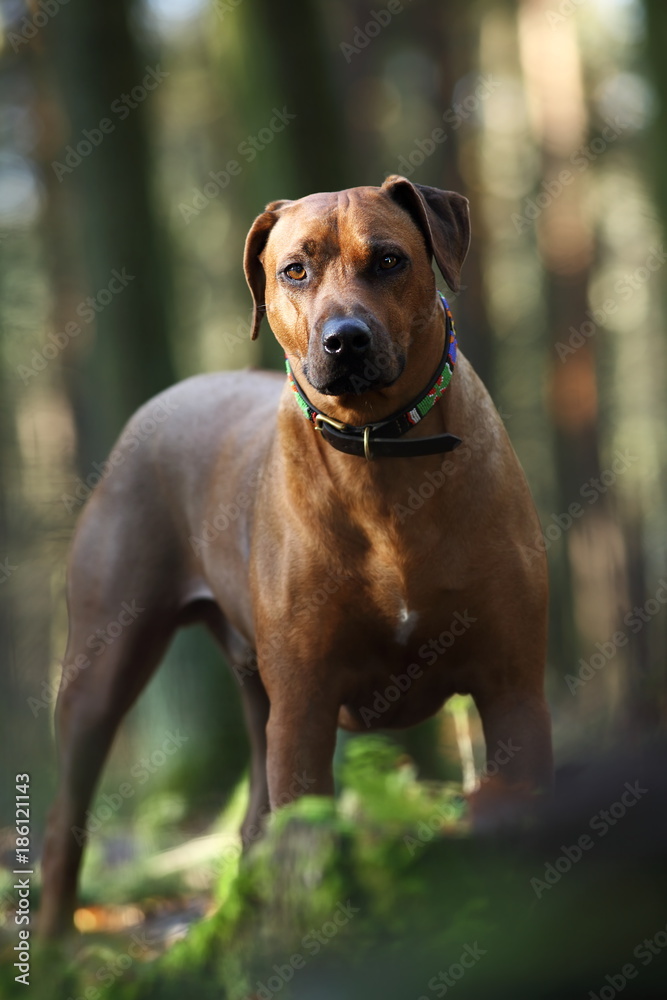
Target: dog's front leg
{"points": [[301, 739], [517, 732]]}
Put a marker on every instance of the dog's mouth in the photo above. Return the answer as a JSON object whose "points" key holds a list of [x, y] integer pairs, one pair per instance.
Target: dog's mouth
{"points": [[351, 385], [372, 375]]}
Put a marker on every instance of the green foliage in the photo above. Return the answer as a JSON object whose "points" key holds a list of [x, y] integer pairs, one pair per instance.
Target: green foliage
{"points": [[380, 892]]}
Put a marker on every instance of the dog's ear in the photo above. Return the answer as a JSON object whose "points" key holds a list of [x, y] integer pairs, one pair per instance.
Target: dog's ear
{"points": [[252, 265], [443, 218]]}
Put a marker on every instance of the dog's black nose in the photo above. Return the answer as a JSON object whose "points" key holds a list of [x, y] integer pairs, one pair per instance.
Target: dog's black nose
{"points": [[346, 337]]}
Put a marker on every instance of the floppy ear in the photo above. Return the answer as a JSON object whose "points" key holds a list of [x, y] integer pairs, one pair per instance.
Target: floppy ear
{"points": [[252, 265], [443, 218]]}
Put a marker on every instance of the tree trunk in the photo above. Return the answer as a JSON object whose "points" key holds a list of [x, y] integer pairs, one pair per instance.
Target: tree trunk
{"points": [[123, 351]]}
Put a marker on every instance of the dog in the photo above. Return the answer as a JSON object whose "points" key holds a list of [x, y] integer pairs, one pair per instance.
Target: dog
{"points": [[239, 499]]}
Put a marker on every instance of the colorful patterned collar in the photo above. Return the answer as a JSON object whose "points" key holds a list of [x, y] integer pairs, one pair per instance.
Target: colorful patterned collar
{"points": [[379, 440]]}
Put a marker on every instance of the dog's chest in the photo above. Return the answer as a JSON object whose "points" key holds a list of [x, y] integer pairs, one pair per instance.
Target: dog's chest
{"points": [[400, 674], [405, 598], [391, 622]]}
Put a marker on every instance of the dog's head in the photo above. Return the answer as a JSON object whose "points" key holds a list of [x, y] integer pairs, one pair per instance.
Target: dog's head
{"points": [[346, 280]]}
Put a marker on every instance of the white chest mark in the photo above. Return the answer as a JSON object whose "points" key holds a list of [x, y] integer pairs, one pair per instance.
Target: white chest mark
{"points": [[406, 623]]}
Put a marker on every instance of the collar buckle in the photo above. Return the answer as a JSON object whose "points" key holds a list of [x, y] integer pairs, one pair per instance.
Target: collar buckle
{"points": [[320, 418]]}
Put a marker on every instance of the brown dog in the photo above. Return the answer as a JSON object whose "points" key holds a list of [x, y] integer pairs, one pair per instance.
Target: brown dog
{"points": [[293, 538]]}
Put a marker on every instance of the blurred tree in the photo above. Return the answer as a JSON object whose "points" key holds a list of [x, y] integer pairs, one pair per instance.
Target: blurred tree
{"points": [[648, 684], [10, 724], [26, 540], [105, 168], [566, 247], [656, 33], [450, 33]]}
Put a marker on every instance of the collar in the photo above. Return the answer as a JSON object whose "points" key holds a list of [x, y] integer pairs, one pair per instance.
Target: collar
{"points": [[381, 439]]}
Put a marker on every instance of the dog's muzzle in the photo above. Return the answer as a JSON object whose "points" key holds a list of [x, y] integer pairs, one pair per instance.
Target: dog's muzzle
{"points": [[345, 359]]}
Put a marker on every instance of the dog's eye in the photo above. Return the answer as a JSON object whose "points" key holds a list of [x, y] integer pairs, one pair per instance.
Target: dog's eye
{"points": [[388, 261], [296, 271]]}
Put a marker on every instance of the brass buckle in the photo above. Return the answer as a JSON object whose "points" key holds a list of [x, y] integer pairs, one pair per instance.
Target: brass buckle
{"points": [[319, 418]]}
